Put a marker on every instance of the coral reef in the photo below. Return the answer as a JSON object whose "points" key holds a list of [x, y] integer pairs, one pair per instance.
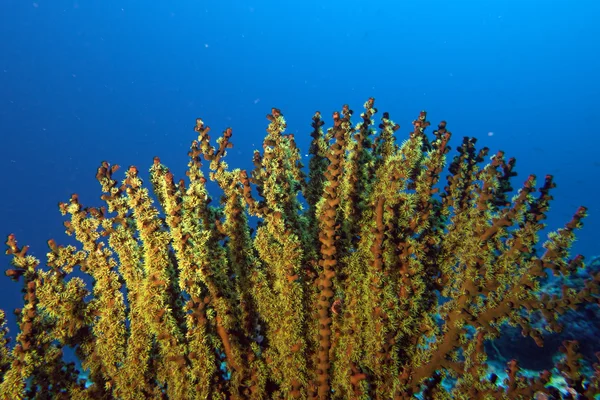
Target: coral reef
{"points": [[370, 278]]}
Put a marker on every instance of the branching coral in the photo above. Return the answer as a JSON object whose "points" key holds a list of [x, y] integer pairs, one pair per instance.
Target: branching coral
{"points": [[368, 278]]}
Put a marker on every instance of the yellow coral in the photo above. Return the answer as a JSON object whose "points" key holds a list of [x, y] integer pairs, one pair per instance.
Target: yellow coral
{"points": [[339, 299]]}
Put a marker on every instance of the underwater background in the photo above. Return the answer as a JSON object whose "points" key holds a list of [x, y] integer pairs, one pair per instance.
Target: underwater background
{"points": [[123, 81]]}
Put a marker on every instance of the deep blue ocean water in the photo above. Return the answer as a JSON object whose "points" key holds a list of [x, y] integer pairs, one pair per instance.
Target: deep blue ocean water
{"points": [[123, 81]]}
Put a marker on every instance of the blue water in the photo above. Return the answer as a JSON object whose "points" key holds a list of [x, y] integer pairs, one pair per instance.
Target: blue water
{"points": [[123, 81]]}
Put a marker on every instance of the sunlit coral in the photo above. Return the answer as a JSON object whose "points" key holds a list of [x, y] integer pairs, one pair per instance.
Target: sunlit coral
{"points": [[367, 275]]}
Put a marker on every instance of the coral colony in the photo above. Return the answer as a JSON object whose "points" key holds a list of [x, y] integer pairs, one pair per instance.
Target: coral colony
{"points": [[374, 277]]}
